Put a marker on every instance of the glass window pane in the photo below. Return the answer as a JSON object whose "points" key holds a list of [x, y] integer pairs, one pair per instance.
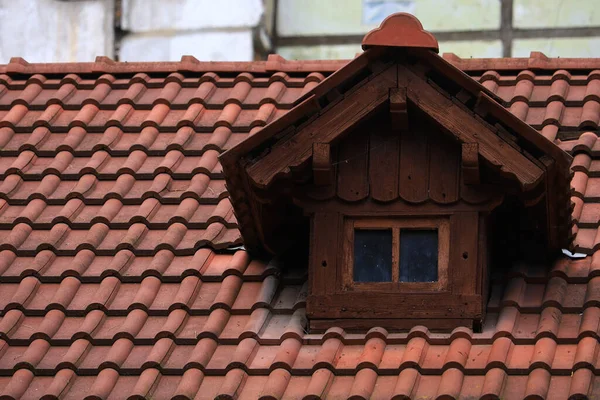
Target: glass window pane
{"points": [[418, 255], [373, 255]]}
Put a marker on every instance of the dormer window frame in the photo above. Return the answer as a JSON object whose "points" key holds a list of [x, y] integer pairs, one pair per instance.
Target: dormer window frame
{"points": [[440, 223]]}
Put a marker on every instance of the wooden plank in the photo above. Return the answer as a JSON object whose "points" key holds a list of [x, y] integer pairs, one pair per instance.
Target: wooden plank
{"points": [[470, 163], [398, 110], [384, 163], [483, 271], [353, 168], [443, 169], [464, 255], [483, 268], [321, 163], [346, 256], [467, 129], [414, 165], [394, 305], [393, 209], [554, 195], [488, 104], [334, 122], [391, 324], [325, 228]]}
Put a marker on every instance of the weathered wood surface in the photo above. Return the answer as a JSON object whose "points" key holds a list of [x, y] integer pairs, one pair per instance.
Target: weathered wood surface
{"points": [[398, 108], [464, 257], [322, 167], [392, 305], [333, 122], [506, 159], [444, 171], [470, 163], [353, 169], [384, 158], [324, 253], [414, 165]]}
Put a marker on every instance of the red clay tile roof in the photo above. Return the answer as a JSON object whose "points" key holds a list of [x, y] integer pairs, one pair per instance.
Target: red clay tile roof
{"points": [[119, 276]]}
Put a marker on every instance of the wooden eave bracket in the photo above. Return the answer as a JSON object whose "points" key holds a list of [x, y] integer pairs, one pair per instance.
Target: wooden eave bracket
{"points": [[333, 121], [321, 164], [467, 129], [470, 163], [398, 109], [486, 105]]}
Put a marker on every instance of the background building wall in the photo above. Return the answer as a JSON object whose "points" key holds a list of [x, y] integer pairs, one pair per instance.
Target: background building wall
{"points": [[129, 30], [218, 30], [52, 31], [469, 28], [207, 29]]}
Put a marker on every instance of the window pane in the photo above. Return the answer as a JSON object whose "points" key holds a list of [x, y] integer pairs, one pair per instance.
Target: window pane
{"points": [[373, 255], [418, 255]]}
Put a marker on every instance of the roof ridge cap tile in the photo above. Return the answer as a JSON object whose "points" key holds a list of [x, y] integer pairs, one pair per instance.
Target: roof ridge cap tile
{"points": [[277, 63], [105, 65]]}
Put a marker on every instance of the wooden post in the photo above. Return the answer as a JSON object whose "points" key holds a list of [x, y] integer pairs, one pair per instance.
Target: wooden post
{"points": [[470, 163], [398, 110], [321, 162]]}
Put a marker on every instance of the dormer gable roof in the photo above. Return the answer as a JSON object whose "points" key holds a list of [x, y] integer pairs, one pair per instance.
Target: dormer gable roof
{"points": [[395, 73]]}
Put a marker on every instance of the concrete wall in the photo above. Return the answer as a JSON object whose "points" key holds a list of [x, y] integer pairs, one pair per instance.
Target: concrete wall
{"points": [[210, 30], [220, 30], [52, 30], [155, 30], [310, 17]]}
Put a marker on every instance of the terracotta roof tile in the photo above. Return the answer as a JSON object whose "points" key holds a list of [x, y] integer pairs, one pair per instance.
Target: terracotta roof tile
{"points": [[119, 275]]}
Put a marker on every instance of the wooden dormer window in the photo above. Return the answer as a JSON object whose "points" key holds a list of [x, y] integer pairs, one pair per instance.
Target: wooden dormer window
{"points": [[396, 254], [390, 172]]}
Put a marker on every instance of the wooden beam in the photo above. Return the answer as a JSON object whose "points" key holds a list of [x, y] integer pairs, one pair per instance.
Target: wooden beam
{"points": [[398, 110], [362, 304], [469, 163], [321, 163], [355, 107], [486, 105], [442, 324], [467, 129]]}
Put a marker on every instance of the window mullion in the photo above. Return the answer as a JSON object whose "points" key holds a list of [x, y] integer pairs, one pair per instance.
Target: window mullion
{"points": [[395, 254]]}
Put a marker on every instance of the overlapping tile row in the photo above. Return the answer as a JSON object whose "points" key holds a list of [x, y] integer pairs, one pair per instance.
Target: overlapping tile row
{"points": [[215, 324], [565, 107], [340, 387], [143, 91], [550, 101], [112, 203], [585, 190], [106, 164], [52, 328], [119, 276], [48, 116]]}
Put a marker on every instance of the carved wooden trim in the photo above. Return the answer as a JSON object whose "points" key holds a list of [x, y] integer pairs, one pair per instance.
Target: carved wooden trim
{"points": [[332, 122], [321, 164], [470, 163], [398, 110], [458, 122]]}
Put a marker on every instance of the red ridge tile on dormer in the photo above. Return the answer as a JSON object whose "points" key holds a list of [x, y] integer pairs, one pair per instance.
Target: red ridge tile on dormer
{"points": [[400, 30]]}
